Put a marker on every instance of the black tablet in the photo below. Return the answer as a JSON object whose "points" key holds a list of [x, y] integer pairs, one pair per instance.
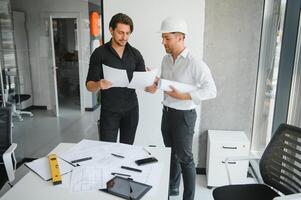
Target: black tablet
{"points": [[126, 188]]}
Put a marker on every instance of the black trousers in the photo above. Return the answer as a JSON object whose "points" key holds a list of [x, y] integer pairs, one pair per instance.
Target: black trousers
{"points": [[177, 130], [126, 122]]}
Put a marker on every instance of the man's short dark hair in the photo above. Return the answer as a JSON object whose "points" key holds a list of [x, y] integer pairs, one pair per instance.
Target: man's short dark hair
{"points": [[122, 19], [179, 34]]}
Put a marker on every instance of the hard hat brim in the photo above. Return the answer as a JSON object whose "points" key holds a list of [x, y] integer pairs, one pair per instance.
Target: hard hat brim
{"points": [[163, 31], [170, 31]]}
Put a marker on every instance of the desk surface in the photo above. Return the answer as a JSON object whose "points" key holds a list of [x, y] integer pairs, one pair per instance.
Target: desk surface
{"points": [[33, 187]]}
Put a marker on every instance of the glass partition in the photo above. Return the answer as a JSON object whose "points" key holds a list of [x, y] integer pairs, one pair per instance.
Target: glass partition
{"points": [[294, 113], [42, 61], [268, 73]]}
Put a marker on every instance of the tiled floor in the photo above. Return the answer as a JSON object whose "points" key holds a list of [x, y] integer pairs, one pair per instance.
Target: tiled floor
{"points": [[201, 190], [38, 135]]}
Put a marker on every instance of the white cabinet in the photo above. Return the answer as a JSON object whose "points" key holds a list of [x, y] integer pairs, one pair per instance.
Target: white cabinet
{"points": [[221, 145]]}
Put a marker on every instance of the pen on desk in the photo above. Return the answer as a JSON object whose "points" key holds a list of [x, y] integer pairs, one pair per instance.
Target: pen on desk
{"points": [[116, 155], [81, 160], [149, 153], [70, 163], [131, 169], [115, 173]]}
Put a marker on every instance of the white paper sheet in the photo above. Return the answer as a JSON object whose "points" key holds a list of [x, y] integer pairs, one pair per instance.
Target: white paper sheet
{"points": [[141, 80], [154, 177], [102, 158], [88, 148], [151, 174], [88, 178], [182, 87], [101, 152], [118, 77], [42, 168]]}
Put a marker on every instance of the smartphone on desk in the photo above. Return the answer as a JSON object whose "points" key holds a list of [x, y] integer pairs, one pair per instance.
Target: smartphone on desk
{"points": [[145, 161]]}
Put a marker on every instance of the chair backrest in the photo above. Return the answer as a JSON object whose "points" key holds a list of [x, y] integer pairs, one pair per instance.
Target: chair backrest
{"points": [[5, 140], [280, 165], [5, 128]]}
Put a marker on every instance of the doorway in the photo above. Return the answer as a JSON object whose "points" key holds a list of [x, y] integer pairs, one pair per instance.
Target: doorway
{"points": [[65, 46]]}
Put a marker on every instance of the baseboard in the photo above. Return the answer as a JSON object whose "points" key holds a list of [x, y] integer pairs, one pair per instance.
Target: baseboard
{"points": [[92, 109], [200, 171]]}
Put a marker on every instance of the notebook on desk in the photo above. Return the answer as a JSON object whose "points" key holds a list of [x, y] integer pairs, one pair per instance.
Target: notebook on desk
{"points": [[41, 167], [126, 188]]}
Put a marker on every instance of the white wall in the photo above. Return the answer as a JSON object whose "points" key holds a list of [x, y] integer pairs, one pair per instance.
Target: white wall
{"points": [[37, 12], [147, 17], [231, 48]]}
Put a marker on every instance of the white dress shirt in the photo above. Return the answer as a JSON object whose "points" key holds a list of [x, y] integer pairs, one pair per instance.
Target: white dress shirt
{"points": [[190, 70]]}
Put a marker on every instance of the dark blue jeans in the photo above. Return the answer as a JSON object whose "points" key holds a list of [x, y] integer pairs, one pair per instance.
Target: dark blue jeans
{"points": [[126, 122], [177, 129]]}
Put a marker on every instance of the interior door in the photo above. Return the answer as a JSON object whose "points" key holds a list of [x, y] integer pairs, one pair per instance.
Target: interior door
{"points": [[52, 73]]}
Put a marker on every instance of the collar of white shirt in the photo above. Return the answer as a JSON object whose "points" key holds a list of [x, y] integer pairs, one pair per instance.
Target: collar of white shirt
{"points": [[183, 54]]}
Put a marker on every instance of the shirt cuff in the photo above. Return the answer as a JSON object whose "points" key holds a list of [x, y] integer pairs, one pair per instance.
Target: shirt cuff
{"points": [[195, 97]]}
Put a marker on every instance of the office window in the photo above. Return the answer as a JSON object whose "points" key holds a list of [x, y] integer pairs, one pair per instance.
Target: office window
{"points": [[267, 73], [294, 113]]}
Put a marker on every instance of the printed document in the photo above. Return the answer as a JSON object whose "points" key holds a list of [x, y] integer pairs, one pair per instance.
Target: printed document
{"points": [[118, 77], [88, 178], [182, 87], [143, 79], [106, 162], [42, 168]]}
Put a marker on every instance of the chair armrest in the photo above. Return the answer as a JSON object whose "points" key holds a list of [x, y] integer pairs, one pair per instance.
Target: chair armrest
{"points": [[239, 158], [289, 197], [10, 162]]}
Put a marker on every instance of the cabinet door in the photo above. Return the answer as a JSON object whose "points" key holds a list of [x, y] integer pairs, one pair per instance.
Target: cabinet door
{"points": [[217, 173]]}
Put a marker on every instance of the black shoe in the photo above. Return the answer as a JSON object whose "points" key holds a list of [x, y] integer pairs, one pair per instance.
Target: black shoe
{"points": [[174, 192]]}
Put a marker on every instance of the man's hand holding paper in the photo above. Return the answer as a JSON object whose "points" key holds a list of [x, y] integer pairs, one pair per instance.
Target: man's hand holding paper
{"points": [[153, 88], [181, 87], [105, 84], [117, 77], [141, 80], [177, 94]]}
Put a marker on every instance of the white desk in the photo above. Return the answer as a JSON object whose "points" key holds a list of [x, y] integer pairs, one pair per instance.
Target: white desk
{"points": [[32, 187]]}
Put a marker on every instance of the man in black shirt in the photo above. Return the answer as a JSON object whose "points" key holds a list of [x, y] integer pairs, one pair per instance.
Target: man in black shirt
{"points": [[119, 106]]}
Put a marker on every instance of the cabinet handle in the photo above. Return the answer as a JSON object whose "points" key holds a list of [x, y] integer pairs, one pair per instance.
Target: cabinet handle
{"points": [[224, 147], [230, 162]]}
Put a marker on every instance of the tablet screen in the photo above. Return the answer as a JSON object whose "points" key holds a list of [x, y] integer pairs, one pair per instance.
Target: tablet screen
{"points": [[127, 188]]}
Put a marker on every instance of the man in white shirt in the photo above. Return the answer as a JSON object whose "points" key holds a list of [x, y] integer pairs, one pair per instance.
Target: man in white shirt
{"points": [[179, 115]]}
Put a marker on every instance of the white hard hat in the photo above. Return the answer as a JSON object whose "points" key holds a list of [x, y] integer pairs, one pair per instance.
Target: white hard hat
{"points": [[173, 24]]}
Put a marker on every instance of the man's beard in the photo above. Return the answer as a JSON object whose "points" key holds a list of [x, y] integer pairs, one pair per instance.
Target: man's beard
{"points": [[167, 50], [121, 43]]}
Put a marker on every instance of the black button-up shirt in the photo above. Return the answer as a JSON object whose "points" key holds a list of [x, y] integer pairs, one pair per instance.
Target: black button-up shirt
{"points": [[116, 99]]}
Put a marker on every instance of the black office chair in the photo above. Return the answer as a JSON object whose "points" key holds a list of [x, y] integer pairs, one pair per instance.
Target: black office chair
{"points": [[280, 168], [13, 99], [7, 158]]}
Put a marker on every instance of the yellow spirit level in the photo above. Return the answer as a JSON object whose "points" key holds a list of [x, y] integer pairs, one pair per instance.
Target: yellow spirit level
{"points": [[54, 169]]}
